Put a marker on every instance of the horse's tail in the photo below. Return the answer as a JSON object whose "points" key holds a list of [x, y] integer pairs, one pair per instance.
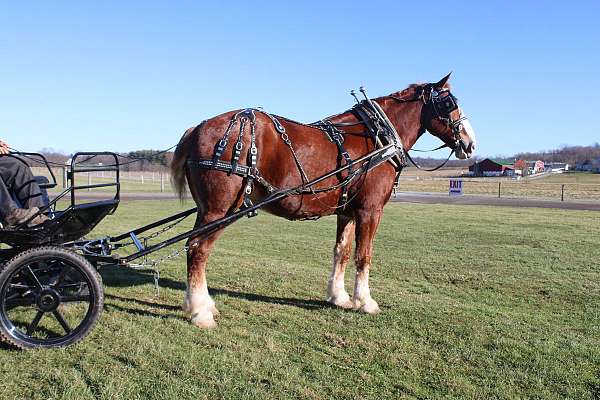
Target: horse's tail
{"points": [[178, 164]]}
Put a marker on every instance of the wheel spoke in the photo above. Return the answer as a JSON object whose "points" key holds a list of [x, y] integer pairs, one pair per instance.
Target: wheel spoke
{"points": [[62, 321], [68, 285], [61, 276], [19, 302], [74, 298], [33, 326], [35, 279], [20, 286]]}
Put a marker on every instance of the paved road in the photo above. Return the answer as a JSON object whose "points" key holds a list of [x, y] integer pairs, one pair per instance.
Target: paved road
{"points": [[418, 197]]}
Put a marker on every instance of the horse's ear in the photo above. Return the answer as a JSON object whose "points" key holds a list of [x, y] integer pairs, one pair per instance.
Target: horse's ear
{"points": [[442, 81]]}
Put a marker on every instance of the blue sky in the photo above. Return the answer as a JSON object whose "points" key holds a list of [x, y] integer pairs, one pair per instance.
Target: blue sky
{"points": [[130, 75]]}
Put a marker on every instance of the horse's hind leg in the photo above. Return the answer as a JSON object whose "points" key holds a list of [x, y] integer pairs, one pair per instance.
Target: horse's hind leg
{"points": [[367, 222], [336, 292], [198, 303]]}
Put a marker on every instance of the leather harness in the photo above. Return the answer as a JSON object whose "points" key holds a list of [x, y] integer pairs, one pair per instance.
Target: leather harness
{"points": [[368, 113]]}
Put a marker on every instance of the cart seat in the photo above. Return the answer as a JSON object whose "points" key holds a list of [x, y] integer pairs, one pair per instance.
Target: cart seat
{"points": [[66, 226]]}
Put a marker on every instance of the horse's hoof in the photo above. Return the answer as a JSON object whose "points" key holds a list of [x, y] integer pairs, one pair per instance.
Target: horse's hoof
{"points": [[370, 307], [341, 299], [204, 321], [341, 302]]}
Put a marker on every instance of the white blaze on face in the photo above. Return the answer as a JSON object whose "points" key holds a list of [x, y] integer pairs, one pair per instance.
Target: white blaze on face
{"points": [[467, 128]]}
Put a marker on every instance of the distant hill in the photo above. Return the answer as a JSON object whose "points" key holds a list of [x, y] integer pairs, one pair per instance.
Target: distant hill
{"points": [[568, 154]]}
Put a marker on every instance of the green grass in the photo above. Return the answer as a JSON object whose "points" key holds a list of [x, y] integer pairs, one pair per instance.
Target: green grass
{"points": [[477, 302], [574, 177]]}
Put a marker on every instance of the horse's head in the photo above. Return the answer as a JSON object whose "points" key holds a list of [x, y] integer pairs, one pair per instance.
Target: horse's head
{"points": [[442, 117]]}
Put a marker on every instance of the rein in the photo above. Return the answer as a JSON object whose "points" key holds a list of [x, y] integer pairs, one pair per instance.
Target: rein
{"points": [[432, 169]]}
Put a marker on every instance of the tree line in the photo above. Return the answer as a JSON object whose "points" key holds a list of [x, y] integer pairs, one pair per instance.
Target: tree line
{"points": [[155, 160], [139, 160], [568, 154]]}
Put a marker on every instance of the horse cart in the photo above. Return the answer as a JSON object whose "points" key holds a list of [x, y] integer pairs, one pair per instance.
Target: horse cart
{"points": [[51, 293]]}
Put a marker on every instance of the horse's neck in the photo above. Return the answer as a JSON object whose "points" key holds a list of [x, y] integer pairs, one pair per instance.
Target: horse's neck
{"points": [[406, 118]]}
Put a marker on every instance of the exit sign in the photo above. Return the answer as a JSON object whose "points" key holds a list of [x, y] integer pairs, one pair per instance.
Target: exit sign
{"points": [[456, 187]]}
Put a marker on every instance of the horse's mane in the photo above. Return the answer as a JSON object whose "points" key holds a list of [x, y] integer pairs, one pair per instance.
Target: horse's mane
{"points": [[406, 93], [410, 90]]}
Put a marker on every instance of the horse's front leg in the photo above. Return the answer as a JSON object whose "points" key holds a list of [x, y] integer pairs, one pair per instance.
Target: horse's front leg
{"points": [[336, 292], [366, 227]]}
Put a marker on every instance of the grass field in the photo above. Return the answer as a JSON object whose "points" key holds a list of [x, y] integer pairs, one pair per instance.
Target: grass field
{"points": [[577, 186], [477, 302]]}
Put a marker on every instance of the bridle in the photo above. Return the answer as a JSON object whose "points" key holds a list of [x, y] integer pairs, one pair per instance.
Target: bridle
{"points": [[443, 103], [443, 106]]}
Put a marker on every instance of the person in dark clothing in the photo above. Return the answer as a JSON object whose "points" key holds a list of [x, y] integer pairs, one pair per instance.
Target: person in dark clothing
{"points": [[16, 179]]}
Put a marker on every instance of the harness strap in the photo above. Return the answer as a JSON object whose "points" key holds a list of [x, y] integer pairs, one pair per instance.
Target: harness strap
{"points": [[239, 145], [222, 144], [252, 157], [335, 135], [240, 170], [364, 115]]}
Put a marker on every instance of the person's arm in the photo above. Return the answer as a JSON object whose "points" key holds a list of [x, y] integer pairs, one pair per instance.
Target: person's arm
{"points": [[3, 148]]}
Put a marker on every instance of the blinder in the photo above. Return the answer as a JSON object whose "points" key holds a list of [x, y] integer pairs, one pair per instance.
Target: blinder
{"points": [[444, 105]]}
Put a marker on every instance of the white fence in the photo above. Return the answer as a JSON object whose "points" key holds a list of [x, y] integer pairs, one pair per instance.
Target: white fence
{"points": [[142, 180]]}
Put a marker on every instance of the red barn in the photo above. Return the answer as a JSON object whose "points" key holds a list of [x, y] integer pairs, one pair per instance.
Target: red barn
{"points": [[489, 167]]}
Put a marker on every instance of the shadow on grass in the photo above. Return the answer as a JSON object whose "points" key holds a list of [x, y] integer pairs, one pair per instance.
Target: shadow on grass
{"points": [[308, 304], [141, 313], [115, 276], [119, 277], [7, 347], [144, 303]]}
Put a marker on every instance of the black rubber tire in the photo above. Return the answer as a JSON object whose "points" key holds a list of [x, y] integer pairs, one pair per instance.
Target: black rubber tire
{"points": [[94, 296]]}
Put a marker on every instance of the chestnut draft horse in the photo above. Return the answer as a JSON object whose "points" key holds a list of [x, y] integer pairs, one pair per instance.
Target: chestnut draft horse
{"points": [[290, 159]]}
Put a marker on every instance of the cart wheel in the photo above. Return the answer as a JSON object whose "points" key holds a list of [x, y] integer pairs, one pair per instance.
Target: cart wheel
{"points": [[49, 297]]}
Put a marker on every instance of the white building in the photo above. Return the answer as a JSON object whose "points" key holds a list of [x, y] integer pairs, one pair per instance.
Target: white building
{"points": [[557, 167]]}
